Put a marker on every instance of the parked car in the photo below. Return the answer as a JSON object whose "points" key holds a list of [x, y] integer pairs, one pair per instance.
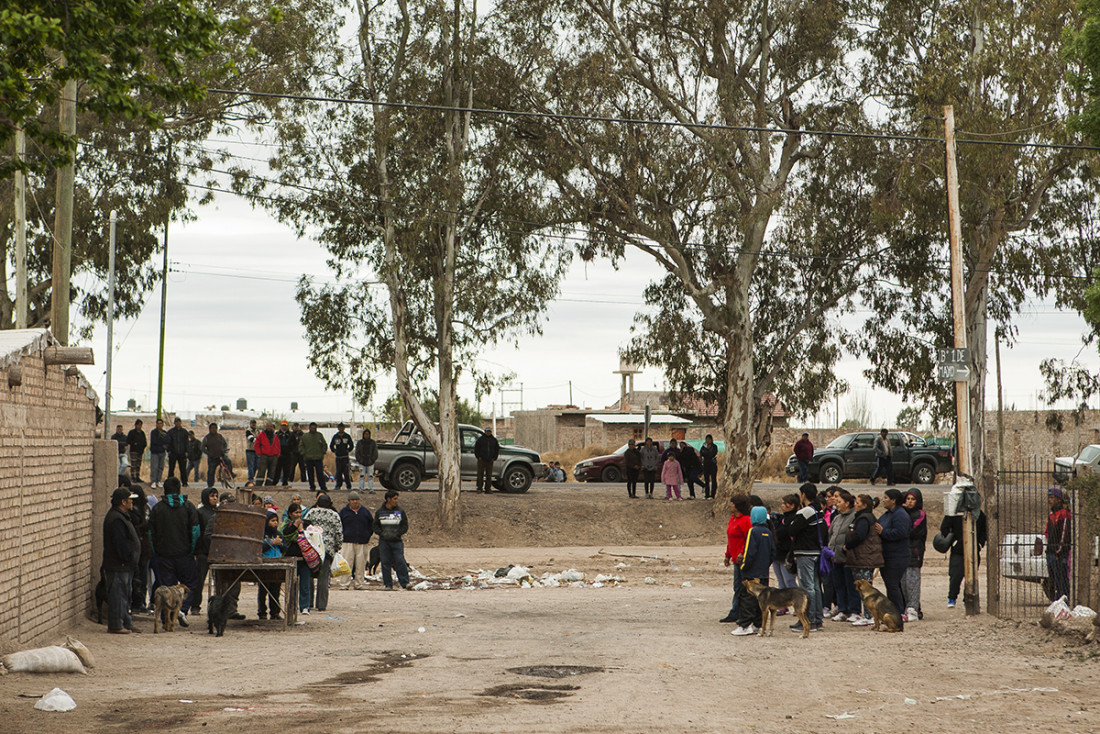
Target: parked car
{"points": [[1068, 467], [852, 456], [1019, 561], [607, 468], [409, 458]]}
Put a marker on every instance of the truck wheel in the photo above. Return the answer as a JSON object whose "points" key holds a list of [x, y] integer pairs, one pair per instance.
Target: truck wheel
{"points": [[611, 474], [924, 473], [517, 479], [405, 477], [831, 473], [386, 483]]}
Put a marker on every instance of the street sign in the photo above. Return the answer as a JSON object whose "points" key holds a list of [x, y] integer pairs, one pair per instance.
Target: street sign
{"points": [[950, 372], [953, 356]]}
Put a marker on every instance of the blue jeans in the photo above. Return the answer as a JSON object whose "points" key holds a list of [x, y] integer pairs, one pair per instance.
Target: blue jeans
{"points": [[305, 586], [193, 466], [119, 585], [392, 555], [803, 470], [784, 579], [250, 459], [844, 586], [156, 466], [884, 467], [809, 582]]}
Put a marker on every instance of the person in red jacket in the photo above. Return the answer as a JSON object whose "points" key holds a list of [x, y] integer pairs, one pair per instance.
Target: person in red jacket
{"points": [[1058, 542], [736, 534], [267, 450], [804, 454]]}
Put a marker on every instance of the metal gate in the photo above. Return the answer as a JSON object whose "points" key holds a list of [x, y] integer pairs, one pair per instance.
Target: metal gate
{"points": [[1025, 575]]}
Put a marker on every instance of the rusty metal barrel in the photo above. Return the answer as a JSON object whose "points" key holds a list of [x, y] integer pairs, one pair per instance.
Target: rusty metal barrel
{"points": [[238, 535]]}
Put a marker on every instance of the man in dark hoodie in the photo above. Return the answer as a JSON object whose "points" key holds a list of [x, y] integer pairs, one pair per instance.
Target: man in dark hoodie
{"points": [[174, 532], [390, 525], [893, 527], [121, 550], [808, 535], [755, 561], [207, 509], [135, 444], [177, 450], [956, 567], [918, 539]]}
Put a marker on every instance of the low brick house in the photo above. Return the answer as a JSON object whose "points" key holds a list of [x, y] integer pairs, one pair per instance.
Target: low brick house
{"points": [[47, 488]]}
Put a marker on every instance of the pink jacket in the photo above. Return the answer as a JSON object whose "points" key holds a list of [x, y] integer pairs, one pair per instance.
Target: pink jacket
{"points": [[671, 473]]}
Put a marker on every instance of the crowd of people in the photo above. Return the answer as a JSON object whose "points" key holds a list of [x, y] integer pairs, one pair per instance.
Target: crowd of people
{"points": [[823, 543], [151, 541], [677, 465], [272, 457]]}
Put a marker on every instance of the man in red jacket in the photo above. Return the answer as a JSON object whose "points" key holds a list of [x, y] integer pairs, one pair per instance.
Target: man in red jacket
{"points": [[267, 449], [804, 454]]}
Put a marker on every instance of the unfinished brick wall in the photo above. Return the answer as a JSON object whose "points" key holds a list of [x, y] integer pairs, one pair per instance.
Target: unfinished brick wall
{"points": [[47, 427]]}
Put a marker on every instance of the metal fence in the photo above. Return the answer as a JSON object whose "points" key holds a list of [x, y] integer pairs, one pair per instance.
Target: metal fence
{"points": [[1025, 575]]}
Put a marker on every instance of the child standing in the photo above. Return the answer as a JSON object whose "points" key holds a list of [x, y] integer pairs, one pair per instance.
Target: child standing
{"points": [[273, 542], [672, 477]]}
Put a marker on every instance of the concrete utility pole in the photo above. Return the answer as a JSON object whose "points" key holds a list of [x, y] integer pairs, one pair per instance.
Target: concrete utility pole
{"points": [[164, 292], [20, 233], [971, 594], [63, 223]]}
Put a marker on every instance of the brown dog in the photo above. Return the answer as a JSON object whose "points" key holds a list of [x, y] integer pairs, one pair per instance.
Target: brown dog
{"points": [[167, 601], [881, 608], [771, 600]]}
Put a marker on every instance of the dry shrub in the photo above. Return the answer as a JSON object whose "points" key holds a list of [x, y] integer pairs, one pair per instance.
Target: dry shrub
{"points": [[771, 468], [571, 457]]}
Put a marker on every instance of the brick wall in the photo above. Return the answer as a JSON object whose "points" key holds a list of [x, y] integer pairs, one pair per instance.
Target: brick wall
{"points": [[47, 429]]}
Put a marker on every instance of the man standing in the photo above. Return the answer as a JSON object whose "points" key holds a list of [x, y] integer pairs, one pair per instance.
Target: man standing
{"points": [[884, 458], [893, 527], [366, 453], [194, 455], [267, 455], [284, 472], [313, 450], [708, 455], [158, 450], [174, 531], [123, 457], [177, 450], [808, 534], [296, 458], [486, 450], [358, 527], [215, 447], [1059, 541], [136, 443], [804, 454], [250, 451], [632, 465], [390, 525], [121, 551], [342, 446], [207, 509], [651, 463]]}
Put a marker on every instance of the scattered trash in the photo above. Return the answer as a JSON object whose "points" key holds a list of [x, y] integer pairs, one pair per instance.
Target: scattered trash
{"points": [[422, 586], [960, 697], [56, 700], [650, 580], [72, 657], [420, 629], [864, 690], [1059, 609], [686, 585], [620, 564], [186, 700], [1082, 611], [459, 615], [502, 572], [844, 715], [232, 709], [911, 701], [338, 619]]}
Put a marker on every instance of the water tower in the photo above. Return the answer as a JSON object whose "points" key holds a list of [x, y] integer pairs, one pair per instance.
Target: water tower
{"points": [[627, 370], [242, 404]]}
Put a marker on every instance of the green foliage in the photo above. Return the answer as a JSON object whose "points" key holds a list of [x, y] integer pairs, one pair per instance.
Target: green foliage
{"points": [[909, 418], [1082, 48]]}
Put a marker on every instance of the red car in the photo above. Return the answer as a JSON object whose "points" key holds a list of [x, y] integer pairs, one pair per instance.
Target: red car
{"points": [[604, 468]]}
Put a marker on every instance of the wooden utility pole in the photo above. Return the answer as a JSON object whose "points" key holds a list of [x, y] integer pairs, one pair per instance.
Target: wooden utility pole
{"points": [[21, 308], [164, 289], [971, 595], [63, 223]]}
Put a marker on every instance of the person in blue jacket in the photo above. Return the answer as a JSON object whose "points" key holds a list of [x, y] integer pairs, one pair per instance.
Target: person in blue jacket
{"points": [[893, 528], [755, 562]]}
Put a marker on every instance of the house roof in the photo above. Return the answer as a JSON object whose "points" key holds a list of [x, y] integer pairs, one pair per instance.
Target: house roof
{"points": [[662, 419], [17, 343]]}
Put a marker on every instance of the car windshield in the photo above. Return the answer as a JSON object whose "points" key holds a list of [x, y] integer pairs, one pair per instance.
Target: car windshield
{"points": [[841, 441], [1089, 454], [620, 451]]}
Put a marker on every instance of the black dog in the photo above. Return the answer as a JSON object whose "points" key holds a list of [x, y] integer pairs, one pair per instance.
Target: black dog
{"points": [[375, 559], [217, 614], [100, 595]]}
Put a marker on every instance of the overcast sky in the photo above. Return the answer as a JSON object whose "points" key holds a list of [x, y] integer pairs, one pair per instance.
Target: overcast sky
{"points": [[233, 331]]}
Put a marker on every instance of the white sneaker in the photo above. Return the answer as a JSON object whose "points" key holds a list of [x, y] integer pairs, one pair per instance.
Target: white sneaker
{"points": [[842, 617], [911, 615], [862, 622], [744, 631], [828, 613]]}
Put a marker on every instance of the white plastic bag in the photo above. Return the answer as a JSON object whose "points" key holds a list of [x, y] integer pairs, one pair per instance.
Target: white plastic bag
{"points": [[340, 566], [1059, 609], [56, 700], [316, 538]]}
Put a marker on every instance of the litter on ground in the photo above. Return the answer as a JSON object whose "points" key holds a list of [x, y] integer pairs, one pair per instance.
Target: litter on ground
{"points": [[56, 700]]}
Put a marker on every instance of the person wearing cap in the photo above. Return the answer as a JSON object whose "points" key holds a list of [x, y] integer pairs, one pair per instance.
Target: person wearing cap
{"points": [[893, 528], [358, 527], [486, 450], [1058, 542], [884, 458], [366, 453], [121, 552], [174, 530], [267, 455], [341, 447], [284, 469], [804, 454], [313, 449]]}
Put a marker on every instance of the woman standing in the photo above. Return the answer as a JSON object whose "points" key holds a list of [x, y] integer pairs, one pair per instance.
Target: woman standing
{"points": [[844, 584], [1058, 542], [863, 547], [291, 529], [632, 465], [690, 465], [651, 460], [325, 517], [708, 456]]}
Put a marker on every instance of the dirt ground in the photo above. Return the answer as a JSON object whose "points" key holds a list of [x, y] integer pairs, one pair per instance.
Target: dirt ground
{"points": [[645, 654]]}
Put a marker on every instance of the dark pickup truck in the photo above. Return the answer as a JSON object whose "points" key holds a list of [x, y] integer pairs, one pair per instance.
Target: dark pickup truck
{"points": [[852, 456]]}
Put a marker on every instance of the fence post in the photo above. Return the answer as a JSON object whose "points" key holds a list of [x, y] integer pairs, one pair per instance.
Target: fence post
{"points": [[993, 546]]}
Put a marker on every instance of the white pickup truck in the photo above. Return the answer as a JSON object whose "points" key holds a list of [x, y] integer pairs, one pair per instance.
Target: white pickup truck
{"points": [[409, 458]]}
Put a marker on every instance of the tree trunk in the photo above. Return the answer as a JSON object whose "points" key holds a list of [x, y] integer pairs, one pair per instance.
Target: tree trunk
{"points": [[738, 471], [63, 223], [450, 460], [974, 305]]}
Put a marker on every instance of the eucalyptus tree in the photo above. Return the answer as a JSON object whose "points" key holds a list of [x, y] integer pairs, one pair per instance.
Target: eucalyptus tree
{"points": [[763, 233], [431, 217], [1000, 66]]}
